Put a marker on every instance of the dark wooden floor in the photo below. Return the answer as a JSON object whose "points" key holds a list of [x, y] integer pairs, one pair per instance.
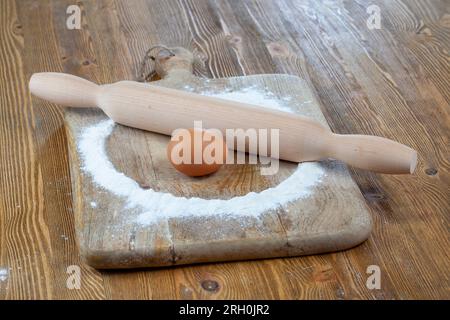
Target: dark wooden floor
{"points": [[392, 82]]}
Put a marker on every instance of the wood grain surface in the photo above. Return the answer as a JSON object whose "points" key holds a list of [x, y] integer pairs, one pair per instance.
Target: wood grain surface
{"points": [[391, 82]]}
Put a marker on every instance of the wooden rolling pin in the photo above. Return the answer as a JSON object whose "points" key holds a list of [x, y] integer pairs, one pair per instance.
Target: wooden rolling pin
{"points": [[163, 110]]}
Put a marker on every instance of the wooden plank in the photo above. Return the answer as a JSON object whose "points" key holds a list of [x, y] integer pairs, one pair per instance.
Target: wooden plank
{"points": [[410, 238]]}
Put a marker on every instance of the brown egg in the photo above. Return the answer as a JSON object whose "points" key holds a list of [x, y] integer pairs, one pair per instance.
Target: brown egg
{"points": [[197, 152]]}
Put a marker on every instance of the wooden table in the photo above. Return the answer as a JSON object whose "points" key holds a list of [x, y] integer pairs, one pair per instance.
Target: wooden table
{"points": [[392, 81]]}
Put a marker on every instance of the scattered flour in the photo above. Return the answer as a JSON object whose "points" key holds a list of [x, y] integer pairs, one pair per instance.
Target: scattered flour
{"points": [[161, 205], [253, 95]]}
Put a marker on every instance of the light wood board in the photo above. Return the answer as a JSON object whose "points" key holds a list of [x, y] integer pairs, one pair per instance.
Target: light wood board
{"points": [[333, 218]]}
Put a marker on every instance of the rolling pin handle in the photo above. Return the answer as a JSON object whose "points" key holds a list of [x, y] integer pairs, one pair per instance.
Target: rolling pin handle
{"points": [[373, 153], [64, 89]]}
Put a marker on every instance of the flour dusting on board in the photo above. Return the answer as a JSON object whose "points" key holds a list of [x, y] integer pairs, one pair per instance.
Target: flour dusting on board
{"points": [[252, 95], [155, 205]]}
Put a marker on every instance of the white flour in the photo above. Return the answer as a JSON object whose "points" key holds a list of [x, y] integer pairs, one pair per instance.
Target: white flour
{"points": [[156, 205], [253, 95]]}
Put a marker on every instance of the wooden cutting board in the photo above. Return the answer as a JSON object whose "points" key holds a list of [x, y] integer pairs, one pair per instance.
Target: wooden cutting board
{"points": [[333, 217]]}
